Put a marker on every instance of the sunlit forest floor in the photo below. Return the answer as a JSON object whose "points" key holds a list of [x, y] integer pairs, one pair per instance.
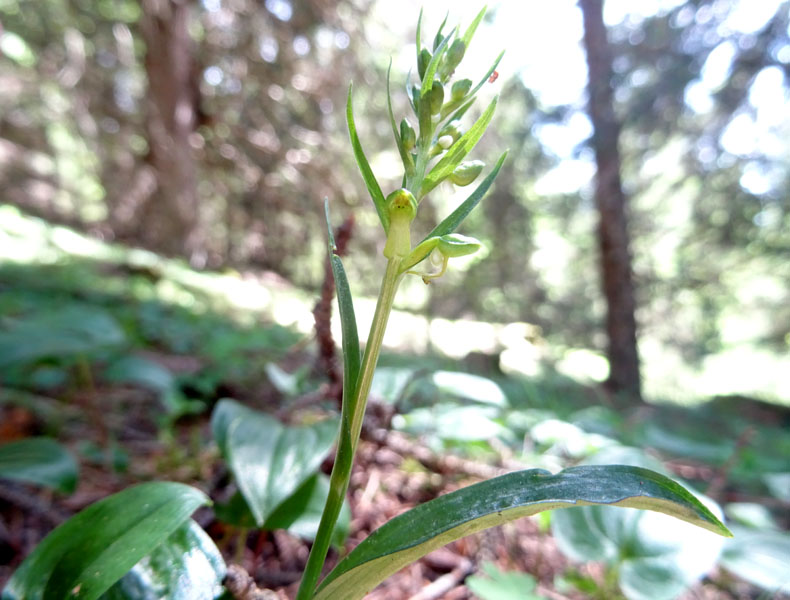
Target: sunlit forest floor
{"points": [[121, 355]]}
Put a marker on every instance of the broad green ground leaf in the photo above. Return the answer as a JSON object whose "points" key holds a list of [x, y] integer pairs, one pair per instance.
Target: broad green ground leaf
{"points": [[268, 459], [778, 484], [301, 513], [655, 556], [235, 512], [148, 374], [298, 514], [752, 514], [374, 189], [389, 383], [468, 386], [453, 421], [73, 331], [82, 558], [499, 585], [41, 461], [413, 534], [759, 557], [186, 566]]}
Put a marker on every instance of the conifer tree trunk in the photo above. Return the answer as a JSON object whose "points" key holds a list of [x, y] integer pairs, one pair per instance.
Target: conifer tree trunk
{"points": [[170, 220], [613, 238]]}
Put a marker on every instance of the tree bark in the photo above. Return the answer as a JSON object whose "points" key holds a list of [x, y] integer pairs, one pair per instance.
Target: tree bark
{"points": [[613, 238], [170, 220]]}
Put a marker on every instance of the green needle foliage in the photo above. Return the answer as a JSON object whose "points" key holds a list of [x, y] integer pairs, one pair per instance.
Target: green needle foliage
{"points": [[88, 554]]}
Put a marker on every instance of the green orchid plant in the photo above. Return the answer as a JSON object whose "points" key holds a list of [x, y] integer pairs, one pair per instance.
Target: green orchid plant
{"points": [[149, 525]]}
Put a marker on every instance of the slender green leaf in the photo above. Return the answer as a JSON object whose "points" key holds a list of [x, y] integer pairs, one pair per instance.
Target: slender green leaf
{"points": [[418, 40], [437, 39], [468, 100], [87, 554], [413, 534], [470, 31], [41, 461], [409, 95], [460, 112], [269, 460], [407, 163], [364, 166], [430, 71], [350, 343], [394, 125], [487, 76], [348, 320], [455, 218], [329, 232], [187, 566], [458, 150]]}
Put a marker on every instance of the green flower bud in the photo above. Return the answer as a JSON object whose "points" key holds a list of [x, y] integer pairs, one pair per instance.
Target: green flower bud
{"points": [[408, 138], [401, 204], [436, 97], [422, 61], [448, 246], [452, 59], [460, 89], [402, 208], [453, 129], [444, 141], [455, 244], [437, 39], [467, 172], [415, 98]]}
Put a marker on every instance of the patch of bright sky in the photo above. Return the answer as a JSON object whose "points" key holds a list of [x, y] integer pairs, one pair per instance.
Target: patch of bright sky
{"points": [[543, 42], [749, 16], [543, 46]]}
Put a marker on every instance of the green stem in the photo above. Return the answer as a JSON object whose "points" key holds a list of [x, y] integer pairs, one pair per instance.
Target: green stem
{"points": [[351, 418]]}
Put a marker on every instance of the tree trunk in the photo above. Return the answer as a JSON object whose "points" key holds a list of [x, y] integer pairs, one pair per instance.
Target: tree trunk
{"points": [[615, 258], [170, 220]]}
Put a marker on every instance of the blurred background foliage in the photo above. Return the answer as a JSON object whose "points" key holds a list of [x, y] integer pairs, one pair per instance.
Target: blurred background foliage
{"points": [[213, 130], [163, 166]]}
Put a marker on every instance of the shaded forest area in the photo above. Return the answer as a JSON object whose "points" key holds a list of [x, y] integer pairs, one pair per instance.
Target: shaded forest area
{"points": [[163, 250]]}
